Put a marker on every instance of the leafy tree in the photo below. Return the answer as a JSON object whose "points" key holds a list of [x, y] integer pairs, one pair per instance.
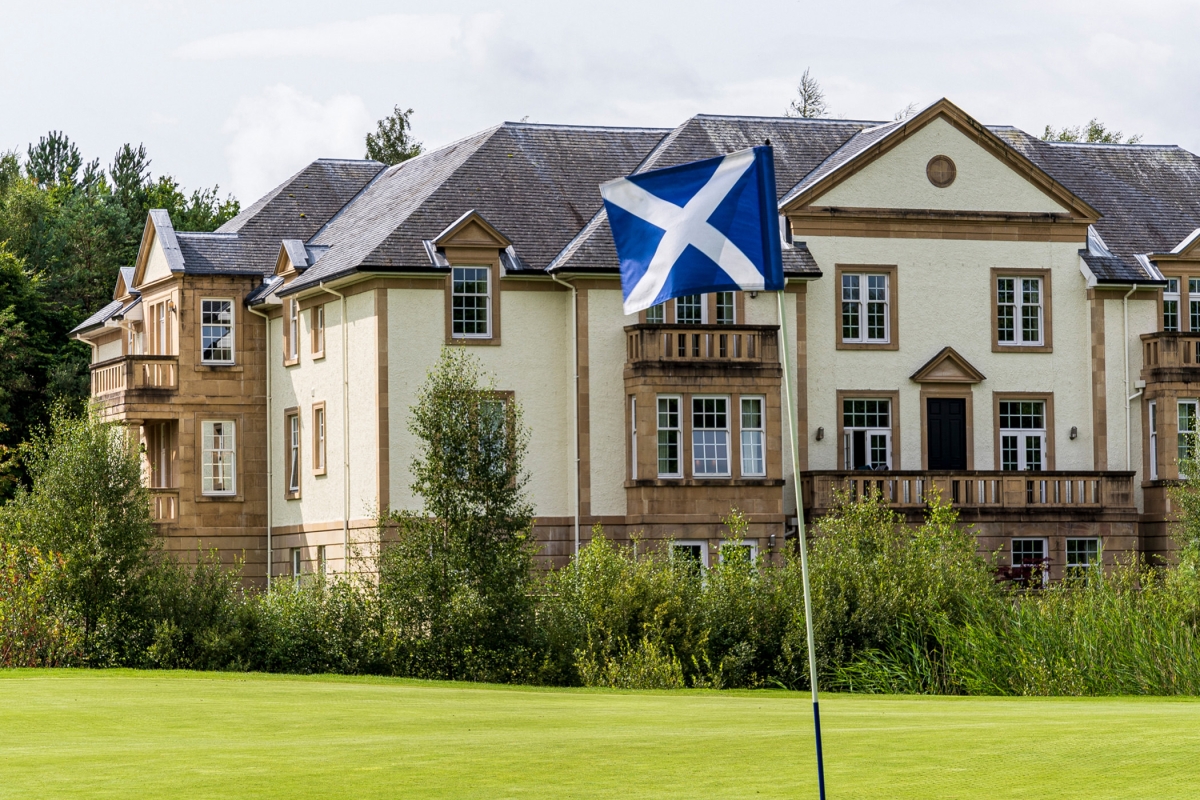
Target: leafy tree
{"points": [[810, 99], [456, 576], [392, 140], [86, 502], [1095, 131]]}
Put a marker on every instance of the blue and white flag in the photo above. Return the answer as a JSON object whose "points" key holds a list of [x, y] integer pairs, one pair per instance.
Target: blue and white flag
{"points": [[707, 226]]}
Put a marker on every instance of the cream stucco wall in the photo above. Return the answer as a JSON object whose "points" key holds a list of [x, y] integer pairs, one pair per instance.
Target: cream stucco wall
{"points": [[898, 180], [606, 362], [944, 293], [157, 267], [109, 350]]}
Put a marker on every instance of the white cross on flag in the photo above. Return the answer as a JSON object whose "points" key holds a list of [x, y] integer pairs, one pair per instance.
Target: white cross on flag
{"points": [[707, 226]]}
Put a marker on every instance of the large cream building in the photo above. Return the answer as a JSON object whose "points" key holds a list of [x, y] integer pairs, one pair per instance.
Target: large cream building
{"points": [[1008, 321]]}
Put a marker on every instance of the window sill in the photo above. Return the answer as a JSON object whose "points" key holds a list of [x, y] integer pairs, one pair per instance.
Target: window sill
{"points": [[319, 473], [291, 496], [219, 368], [1022, 348], [475, 340], [319, 355], [291, 362], [703, 482], [220, 498], [893, 345]]}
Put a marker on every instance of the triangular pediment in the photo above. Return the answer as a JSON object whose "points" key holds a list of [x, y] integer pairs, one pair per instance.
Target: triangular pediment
{"points": [[940, 160], [948, 367], [1186, 250], [472, 230]]}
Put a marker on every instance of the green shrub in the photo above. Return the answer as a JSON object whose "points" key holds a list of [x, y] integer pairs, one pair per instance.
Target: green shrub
{"points": [[34, 631]]}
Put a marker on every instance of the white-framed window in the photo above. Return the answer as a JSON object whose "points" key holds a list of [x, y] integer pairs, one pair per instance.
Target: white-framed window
{"points": [[633, 448], [656, 315], [293, 329], [1030, 554], [1083, 552], [689, 310], [865, 308], [216, 331], [1022, 435], [710, 437], [218, 457], [292, 427], [470, 302], [296, 563], [1194, 304], [319, 438], [754, 461], [749, 548], [867, 433], [1019, 311], [1187, 432], [692, 553], [726, 312], [318, 330], [1152, 412], [669, 435], [1171, 305]]}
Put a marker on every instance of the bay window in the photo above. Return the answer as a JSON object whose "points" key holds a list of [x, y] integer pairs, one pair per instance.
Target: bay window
{"points": [[218, 459], [710, 437]]}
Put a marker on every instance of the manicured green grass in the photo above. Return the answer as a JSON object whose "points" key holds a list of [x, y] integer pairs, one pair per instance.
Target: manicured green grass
{"points": [[162, 734]]}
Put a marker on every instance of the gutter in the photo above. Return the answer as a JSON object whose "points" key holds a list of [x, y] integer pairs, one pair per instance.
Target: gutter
{"points": [[345, 430], [270, 452], [575, 404]]}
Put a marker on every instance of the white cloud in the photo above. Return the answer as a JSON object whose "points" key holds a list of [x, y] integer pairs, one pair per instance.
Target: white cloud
{"points": [[277, 132], [390, 37]]}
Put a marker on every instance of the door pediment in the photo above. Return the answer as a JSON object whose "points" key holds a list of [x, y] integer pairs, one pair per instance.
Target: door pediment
{"points": [[948, 366]]}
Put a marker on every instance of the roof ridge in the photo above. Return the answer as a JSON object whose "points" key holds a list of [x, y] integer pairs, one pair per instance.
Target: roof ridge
{"points": [[786, 118], [1139, 145], [569, 126]]}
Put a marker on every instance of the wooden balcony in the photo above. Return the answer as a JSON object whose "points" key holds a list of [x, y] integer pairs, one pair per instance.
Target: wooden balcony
{"points": [[135, 373], [702, 345], [981, 492], [1170, 356]]}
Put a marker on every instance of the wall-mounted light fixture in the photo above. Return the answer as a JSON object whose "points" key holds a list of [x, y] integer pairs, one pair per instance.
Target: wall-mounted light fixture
{"points": [[772, 543], [1074, 432], [820, 434], [753, 295]]}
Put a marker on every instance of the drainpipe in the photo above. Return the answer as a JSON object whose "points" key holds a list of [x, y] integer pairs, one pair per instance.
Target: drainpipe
{"points": [[270, 452], [575, 405], [1128, 397], [345, 431]]}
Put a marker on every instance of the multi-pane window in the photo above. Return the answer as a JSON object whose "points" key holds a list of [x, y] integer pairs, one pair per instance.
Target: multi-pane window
{"points": [[690, 555], [319, 438], [1019, 311], [865, 308], [1171, 305], [656, 315], [159, 327], [470, 302], [710, 436], [753, 445], [725, 313], [218, 457], [318, 330], [668, 437], [216, 331], [1083, 552], [1194, 304], [291, 429], [867, 432], [732, 550], [1152, 411], [296, 564], [1022, 435], [293, 329], [689, 310], [1187, 430], [633, 438], [1028, 552]]}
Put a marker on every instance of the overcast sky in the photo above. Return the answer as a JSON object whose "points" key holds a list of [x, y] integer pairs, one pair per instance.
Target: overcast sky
{"points": [[244, 93]]}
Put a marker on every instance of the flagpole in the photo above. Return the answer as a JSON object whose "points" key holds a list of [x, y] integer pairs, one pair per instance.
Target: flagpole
{"points": [[800, 534]]}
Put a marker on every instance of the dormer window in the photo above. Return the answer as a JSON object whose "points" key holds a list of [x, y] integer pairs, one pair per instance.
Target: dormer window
{"points": [[470, 303]]}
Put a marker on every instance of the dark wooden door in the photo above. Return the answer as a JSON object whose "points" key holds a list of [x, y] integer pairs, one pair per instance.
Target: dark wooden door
{"points": [[947, 427]]}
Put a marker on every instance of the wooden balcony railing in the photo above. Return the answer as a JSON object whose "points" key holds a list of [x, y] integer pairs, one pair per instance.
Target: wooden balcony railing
{"points": [[976, 490], [164, 505], [750, 345], [135, 372], [1168, 350]]}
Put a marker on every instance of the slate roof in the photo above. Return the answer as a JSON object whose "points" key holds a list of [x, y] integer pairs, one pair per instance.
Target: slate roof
{"points": [[800, 145], [1148, 195], [99, 318], [856, 144], [537, 184]]}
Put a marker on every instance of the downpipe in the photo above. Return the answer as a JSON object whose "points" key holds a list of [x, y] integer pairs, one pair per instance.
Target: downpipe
{"points": [[345, 429], [575, 403], [270, 452]]}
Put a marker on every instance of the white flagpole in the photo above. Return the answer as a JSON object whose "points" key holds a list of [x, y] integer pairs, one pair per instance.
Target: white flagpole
{"points": [[800, 534]]}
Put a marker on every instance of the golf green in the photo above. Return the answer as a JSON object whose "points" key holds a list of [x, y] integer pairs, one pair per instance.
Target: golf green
{"points": [[70, 733]]}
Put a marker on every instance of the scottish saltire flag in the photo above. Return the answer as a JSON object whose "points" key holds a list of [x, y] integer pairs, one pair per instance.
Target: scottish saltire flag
{"points": [[707, 226]]}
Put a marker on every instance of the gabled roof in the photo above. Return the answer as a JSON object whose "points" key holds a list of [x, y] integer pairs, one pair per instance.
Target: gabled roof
{"points": [[474, 226], [124, 282], [536, 183], [869, 144], [800, 145], [99, 318]]}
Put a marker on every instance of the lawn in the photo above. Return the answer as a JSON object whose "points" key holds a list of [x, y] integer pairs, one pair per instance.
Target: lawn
{"points": [[166, 734]]}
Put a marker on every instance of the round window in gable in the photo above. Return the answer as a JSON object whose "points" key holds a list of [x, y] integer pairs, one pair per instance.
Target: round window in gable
{"points": [[941, 171]]}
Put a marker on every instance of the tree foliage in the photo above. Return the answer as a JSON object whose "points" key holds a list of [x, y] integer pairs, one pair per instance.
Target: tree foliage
{"points": [[1095, 132], [392, 141], [810, 99], [455, 577]]}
